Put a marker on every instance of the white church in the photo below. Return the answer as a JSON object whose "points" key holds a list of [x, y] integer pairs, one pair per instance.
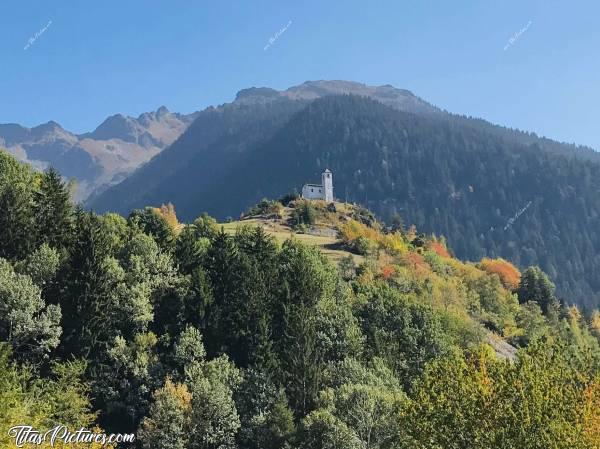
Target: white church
{"points": [[323, 191]]}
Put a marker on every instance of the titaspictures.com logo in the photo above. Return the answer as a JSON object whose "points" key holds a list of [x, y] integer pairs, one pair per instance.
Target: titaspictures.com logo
{"points": [[28, 435]]}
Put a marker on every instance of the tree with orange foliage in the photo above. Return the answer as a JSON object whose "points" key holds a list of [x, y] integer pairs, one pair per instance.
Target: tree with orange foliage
{"points": [[439, 248], [416, 262], [388, 271], [509, 275]]}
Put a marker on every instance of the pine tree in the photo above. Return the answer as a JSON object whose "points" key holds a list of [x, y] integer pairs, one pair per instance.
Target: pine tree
{"points": [[17, 230], [151, 222], [535, 286], [86, 297], [53, 210], [223, 270], [17, 237]]}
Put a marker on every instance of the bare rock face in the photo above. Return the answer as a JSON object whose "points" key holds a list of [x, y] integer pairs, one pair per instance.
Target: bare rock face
{"points": [[100, 158], [400, 99], [502, 349]]}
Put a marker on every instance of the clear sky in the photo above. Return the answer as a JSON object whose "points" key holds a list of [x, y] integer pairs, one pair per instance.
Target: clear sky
{"points": [[95, 59]]}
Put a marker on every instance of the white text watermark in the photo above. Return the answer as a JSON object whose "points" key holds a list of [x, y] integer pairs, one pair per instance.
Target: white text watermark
{"points": [[36, 35], [61, 434], [517, 35], [273, 38], [517, 215]]}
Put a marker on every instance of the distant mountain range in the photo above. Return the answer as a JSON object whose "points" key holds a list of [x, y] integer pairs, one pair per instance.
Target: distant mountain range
{"points": [[121, 144], [100, 158], [492, 191]]}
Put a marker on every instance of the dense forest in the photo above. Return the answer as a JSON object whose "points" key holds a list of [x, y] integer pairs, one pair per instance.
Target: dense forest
{"points": [[196, 338], [491, 191]]}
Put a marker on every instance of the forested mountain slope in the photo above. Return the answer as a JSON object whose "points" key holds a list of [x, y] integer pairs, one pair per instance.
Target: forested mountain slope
{"points": [[195, 334], [213, 144], [119, 145], [487, 194], [189, 335]]}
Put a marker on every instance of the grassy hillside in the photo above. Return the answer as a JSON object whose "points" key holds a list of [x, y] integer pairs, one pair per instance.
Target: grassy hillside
{"points": [[363, 248], [403, 257], [323, 234]]}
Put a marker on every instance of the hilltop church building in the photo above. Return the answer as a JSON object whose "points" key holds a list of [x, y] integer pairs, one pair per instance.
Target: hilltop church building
{"points": [[323, 191]]}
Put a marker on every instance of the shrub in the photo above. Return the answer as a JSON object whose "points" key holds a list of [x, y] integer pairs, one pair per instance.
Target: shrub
{"points": [[394, 243], [388, 271], [362, 246], [439, 248], [365, 216], [352, 230], [265, 207], [288, 198], [304, 214], [416, 263]]}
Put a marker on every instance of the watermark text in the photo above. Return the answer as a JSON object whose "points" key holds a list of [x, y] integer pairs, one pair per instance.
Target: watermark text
{"points": [[516, 36], [273, 38], [61, 434], [36, 35]]}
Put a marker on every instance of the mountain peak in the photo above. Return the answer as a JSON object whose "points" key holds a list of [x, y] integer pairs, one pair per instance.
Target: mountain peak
{"points": [[115, 126], [161, 111], [50, 130], [400, 99], [48, 126], [256, 92]]}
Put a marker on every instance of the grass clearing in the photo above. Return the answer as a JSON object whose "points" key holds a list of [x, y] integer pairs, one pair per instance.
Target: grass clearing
{"points": [[282, 232]]}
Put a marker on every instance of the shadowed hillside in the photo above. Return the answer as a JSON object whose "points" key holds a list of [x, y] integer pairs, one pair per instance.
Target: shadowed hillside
{"points": [[486, 194]]}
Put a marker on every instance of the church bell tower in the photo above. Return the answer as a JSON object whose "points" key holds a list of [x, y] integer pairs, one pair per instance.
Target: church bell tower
{"points": [[327, 182]]}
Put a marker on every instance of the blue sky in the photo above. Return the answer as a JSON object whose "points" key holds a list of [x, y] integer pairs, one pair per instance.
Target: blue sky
{"points": [[99, 58]]}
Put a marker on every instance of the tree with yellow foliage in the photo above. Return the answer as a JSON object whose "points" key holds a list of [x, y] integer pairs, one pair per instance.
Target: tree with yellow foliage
{"points": [[168, 424], [61, 399], [542, 400]]}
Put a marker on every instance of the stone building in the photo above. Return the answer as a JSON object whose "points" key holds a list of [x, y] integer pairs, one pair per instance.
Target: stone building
{"points": [[323, 191]]}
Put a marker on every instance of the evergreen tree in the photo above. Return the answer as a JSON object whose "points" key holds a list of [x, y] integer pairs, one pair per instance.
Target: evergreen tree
{"points": [[53, 209], [190, 248], [223, 267], [535, 286], [30, 326], [17, 216], [17, 226], [88, 308], [153, 223]]}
